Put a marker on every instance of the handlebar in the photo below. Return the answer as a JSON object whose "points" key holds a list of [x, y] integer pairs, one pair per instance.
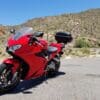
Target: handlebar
{"points": [[33, 39]]}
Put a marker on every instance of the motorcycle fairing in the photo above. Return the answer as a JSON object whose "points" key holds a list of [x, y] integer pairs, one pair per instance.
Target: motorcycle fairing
{"points": [[15, 63]]}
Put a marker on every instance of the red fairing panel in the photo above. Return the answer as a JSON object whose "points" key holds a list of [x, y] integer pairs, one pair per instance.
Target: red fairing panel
{"points": [[44, 43], [57, 45], [13, 62]]}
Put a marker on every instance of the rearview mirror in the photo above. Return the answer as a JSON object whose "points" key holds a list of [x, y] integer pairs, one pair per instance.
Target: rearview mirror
{"points": [[12, 31]]}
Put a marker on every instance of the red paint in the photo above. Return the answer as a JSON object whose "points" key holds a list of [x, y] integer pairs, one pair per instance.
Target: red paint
{"points": [[28, 54]]}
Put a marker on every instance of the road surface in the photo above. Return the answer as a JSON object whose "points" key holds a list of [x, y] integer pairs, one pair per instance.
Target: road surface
{"points": [[78, 79]]}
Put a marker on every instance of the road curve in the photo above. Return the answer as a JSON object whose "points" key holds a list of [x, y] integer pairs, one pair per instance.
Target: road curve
{"points": [[78, 79]]}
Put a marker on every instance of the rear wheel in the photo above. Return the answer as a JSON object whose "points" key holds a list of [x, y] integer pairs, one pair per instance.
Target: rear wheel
{"points": [[8, 81], [53, 67]]}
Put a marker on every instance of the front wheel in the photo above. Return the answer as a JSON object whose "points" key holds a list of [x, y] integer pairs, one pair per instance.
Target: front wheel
{"points": [[8, 80]]}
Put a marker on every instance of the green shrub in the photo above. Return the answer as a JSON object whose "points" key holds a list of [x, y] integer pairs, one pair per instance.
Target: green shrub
{"points": [[82, 43], [78, 52], [85, 51]]}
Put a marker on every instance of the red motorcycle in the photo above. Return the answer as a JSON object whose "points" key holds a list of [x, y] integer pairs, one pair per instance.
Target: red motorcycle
{"points": [[31, 57]]}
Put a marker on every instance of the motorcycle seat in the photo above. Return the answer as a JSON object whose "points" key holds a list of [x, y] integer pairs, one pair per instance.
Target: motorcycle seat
{"points": [[51, 49]]}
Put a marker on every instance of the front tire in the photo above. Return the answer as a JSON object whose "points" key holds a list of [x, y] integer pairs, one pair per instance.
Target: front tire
{"points": [[8, 81]]}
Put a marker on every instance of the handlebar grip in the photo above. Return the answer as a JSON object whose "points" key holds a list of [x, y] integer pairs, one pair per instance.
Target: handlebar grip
{"points": [[32, 40]]}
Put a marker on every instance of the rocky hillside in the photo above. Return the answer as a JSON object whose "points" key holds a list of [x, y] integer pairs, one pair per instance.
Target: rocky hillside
{"points": [[80, 24], [84, 24]]}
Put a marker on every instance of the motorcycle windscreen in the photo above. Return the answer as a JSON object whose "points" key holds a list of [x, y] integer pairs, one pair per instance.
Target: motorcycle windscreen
{"points": [[22, 32]]}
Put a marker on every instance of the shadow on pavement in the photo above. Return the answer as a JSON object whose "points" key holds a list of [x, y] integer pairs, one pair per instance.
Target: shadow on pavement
{"points": [[24, 86]]}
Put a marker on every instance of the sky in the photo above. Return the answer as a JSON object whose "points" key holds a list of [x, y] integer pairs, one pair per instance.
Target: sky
{"points": [[14, 12]]}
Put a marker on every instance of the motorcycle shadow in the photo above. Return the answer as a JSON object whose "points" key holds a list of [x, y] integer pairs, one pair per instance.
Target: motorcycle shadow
{"points": [[24, 86]]}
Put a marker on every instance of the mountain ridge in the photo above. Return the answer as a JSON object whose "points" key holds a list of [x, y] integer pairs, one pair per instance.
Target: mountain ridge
{"points": [[85, 24]]}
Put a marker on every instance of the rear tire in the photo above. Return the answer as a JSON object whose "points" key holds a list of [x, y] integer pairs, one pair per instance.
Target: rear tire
{"points": [[8, 81], [53, 72]]}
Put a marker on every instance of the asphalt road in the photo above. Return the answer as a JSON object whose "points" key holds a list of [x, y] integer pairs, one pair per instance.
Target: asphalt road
{"points": [[78, 79]]}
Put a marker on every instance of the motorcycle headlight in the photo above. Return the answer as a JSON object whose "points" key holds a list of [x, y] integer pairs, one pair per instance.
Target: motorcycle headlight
{"points": [[14, 48]]}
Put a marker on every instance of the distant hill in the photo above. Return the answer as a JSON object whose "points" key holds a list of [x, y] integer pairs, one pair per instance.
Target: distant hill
{"points": [[80, 24], [84, 24]]}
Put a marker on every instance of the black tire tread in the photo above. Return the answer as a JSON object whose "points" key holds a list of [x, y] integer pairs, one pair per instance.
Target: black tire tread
{"points": [[11, 86]]}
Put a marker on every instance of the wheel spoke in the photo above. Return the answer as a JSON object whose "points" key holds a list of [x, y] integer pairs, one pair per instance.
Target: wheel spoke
{"points": [[8, 80], [5, 78]]}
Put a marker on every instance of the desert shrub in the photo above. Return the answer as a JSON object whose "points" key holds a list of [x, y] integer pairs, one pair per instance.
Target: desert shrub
{"points": [[82, 43], [85, 51], [78, 52]]}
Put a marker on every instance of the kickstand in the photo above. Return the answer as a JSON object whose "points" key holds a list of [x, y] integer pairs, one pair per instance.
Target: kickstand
{"points": [[45, 77]]}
